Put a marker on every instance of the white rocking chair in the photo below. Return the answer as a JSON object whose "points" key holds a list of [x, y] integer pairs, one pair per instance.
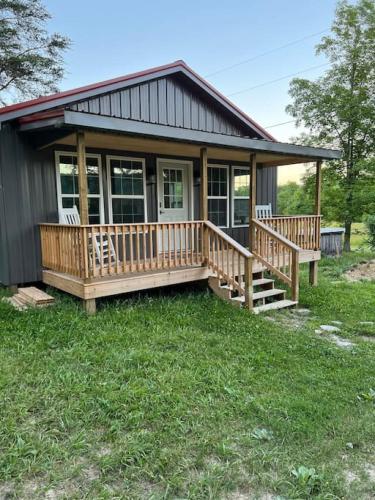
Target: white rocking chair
{"points": [[263, 211], [107, 255]]}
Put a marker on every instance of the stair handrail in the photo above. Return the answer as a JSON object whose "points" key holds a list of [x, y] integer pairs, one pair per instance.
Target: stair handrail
{"points": [[215, 241], [264, 240]]}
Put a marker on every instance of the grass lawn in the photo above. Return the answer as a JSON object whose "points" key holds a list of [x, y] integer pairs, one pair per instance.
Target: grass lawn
{"points": [[167, 396]]}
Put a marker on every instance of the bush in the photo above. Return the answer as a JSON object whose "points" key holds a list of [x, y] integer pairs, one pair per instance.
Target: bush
{"points": [[370, 226]]}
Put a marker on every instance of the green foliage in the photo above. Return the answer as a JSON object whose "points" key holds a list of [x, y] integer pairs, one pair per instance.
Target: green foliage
{"points": [[30, 59], [307, 479], [367, 396], [338, 108], [370, 226], [292, 200]]}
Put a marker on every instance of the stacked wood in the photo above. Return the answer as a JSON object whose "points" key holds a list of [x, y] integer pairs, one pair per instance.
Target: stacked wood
{"points": [[29, 296]]}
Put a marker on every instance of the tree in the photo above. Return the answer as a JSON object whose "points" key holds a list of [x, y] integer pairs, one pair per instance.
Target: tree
{"points": [[30, 59], [339, 108]]}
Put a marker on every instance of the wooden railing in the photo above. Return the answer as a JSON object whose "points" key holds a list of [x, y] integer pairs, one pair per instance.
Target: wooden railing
{"points": [[302, 230], [278, 254], [230, 261], [102, 250]]}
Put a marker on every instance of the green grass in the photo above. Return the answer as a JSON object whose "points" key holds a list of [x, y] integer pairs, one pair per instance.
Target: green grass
{"points": [[166, 395]]}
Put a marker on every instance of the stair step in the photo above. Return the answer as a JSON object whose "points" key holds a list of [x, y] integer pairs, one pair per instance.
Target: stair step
{"points": [[268, 293], [263, 281], [34, 296], [261, 295], [280, 304]]}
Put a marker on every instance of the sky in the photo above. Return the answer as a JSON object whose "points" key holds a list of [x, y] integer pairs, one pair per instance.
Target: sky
{"points": [[113, 37]]}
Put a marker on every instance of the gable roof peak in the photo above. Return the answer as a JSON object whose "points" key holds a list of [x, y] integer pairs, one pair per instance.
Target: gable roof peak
{"points": [[62, 98]]}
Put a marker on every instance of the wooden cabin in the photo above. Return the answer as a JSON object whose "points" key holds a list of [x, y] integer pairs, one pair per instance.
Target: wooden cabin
{"points": [[166, 175]]}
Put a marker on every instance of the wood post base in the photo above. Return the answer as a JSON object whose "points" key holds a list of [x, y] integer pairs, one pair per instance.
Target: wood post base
{"points": [[313, 273], [89, 305]]}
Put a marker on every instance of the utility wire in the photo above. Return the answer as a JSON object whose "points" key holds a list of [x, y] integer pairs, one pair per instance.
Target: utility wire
{"points": [[275, 49], [277, 79], [279, 124]]}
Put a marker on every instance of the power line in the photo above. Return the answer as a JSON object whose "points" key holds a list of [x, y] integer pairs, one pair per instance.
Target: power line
{"points": [[277, 79], [245, 61], [279, 124]]}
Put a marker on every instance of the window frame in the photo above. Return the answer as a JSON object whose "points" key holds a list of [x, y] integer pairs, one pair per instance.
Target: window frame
{"points": [[126, 196], [226, 167], [238, 167], [60, 195]]}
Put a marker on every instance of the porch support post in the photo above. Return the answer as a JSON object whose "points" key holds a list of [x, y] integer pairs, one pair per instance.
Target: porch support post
{"points": [[252, 199], [82, 178], [313, 272], [203, 186], [89, 305]]}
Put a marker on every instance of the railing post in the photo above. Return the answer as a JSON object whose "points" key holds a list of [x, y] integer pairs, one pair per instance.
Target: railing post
{"points": [[204, 244], [295, 275], [252, 198], [248, 283]]}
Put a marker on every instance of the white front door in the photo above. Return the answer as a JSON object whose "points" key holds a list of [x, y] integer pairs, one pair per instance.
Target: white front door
{"points": [[174, 180]]}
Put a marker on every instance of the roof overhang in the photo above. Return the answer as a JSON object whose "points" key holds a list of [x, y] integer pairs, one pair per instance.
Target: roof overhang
{"points": [[270, 153]]}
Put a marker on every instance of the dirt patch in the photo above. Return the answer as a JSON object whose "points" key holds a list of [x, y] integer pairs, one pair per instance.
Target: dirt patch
{"points": [[362, 271]]}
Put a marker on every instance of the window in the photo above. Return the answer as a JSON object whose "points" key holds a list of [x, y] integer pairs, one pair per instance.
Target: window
{"points": [[241, 192], [67, 184], [173, 188], [126, 181], [218, 195]]}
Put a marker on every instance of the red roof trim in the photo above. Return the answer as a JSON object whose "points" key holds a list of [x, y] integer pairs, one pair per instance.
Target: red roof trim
{"points": [[150, 71], [93, 86], [43, 115]]}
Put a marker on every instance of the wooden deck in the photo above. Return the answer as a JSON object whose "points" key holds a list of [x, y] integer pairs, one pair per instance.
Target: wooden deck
{"points": [[104, 286], [97, 261]]}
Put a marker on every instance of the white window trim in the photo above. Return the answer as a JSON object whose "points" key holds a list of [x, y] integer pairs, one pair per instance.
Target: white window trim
{"points": [[213, 165], [129, 196], [238, 167], [172, 161], [60, 196]]}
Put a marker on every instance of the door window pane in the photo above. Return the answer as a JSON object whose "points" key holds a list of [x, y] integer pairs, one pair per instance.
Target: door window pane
{"points": [[173, 188]]}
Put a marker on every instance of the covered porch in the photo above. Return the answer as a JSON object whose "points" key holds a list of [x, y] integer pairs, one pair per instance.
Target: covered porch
{"points": [[102, 259]]}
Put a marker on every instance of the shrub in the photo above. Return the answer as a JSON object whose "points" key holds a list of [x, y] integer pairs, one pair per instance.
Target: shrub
{"points": [[370, 226]]}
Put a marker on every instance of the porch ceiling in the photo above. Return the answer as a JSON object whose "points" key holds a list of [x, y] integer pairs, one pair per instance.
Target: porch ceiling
{"points": [[175, 148]]}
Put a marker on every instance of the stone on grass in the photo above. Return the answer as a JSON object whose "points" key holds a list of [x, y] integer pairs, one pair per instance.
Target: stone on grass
{"points": [[336, 322], [367, 323], [301, 312], [329, 328], [340, 342], [318, 332]]}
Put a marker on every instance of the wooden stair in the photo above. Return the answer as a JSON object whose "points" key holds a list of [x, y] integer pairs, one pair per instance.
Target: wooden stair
{"points": [[265, 296], [30, 296]]}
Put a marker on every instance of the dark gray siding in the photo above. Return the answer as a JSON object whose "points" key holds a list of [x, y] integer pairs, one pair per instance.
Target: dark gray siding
{"points": [[28, 196], [166, 101]]}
